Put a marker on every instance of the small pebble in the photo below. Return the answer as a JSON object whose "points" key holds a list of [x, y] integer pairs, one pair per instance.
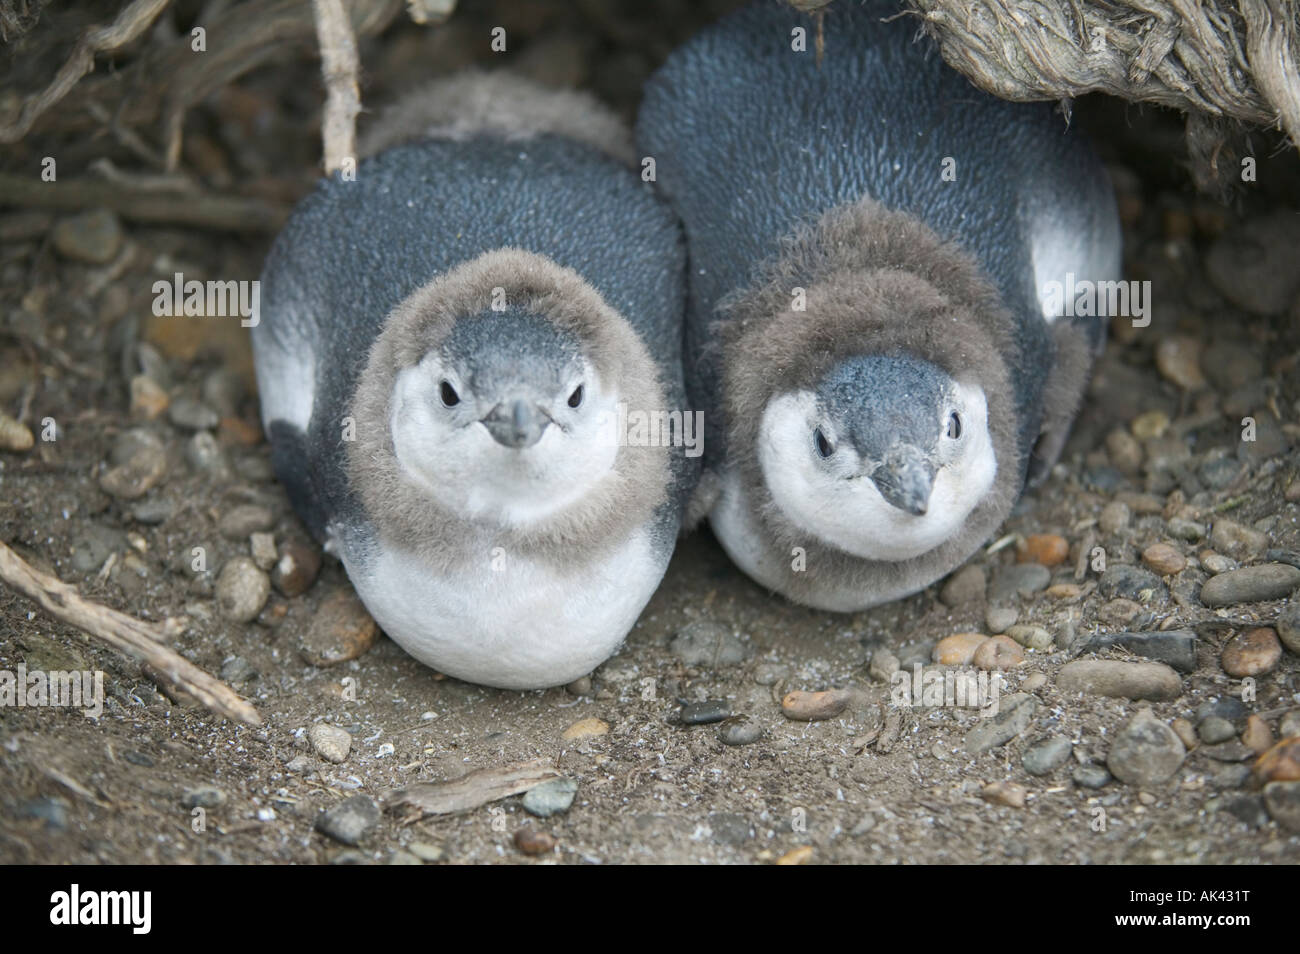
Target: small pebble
{"points": [[1115, 516], [1227, 707], [1283, 802], [883, 665], [533, 841], [1126, 680], [1004, 793], [1164, 559], [552, 797], [579, 687], [998, 652], [1232, 751], [427, 852], [1281, 763], [1256, 266], [242, 590], [1251, 584], [91, 237], [1216, 562], [740, 730], [1049, 549], [1186, 733], [1183, 529], [1146, 752], [1119, 612], [148, 400], [137, 463], [1258, 737], [1288, 627], [999, 618], [958, 649], [341, 630], [1015, 712], [704, 713], [152, 511], [1289, 724], [349, 820], [967, 585], [1173, 647], [1238, 542], [1252, 653], [1214, 730], [1047, 756], [240, 522], [585, 729], [203, 796], [1064, 591], [1125, 451], [1034, 681], [262, 548], [203, 454], [797, 856], [330, 742], [296, 569], [1020, 579], [1131, 583], [802, 706], [237, 670], [1150, 425], [704, 643], [1178, 358], [192, 415], [1090, 776], [1031, 637]]}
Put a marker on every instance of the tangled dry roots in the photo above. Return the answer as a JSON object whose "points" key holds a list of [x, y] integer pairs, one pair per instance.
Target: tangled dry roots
{"points": [[1218, 61]]}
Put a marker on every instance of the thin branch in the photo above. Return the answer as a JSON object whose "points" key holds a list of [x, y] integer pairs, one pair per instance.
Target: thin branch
{"points": [[338, 64], [139, 640], [130, 23], [199, 209]]}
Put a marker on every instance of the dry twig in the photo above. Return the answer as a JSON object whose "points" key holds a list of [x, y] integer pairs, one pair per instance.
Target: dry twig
{"points": [[139, 640], [200, 209], [472, 790], [130, 23], [338, 65]]}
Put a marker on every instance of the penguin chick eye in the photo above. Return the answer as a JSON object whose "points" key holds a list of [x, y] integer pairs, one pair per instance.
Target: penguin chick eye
{"points": [[954, 425], [575, 399], [824, 447], [448, 394]]}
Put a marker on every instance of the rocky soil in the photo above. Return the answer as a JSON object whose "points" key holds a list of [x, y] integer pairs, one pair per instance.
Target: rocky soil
{"points": [[1136, 606]]}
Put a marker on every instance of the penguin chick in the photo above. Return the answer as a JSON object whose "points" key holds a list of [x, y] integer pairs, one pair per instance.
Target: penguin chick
{"points": [[870, 323], [447, 345]]}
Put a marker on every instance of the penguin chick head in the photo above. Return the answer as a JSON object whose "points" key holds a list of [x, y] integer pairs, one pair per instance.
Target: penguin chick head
{"points": [[505, 420], [884, 458]]}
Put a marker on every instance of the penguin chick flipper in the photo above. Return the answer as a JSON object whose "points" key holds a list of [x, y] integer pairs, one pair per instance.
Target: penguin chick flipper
{"points": [[1063, 395], [289, 460]]}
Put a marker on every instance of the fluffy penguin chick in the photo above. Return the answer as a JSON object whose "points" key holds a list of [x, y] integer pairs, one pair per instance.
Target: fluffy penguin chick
{"points": [[447, 346], [871, 327]]}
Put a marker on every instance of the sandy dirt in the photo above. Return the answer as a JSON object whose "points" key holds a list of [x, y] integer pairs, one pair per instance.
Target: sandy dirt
{"points": [[876, 783]]}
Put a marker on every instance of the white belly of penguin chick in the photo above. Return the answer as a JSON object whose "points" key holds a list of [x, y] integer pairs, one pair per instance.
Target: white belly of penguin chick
{"points": [[523, 626]]}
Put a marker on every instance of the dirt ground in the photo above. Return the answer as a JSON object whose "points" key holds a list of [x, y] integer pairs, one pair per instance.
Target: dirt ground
{"points": [[1157, 456]]}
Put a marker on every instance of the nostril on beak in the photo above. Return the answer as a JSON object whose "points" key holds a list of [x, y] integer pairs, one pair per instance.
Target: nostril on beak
{"points": [[516, 424]]}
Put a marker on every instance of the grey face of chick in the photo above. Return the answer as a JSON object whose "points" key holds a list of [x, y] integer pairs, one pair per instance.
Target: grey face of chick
{"points": [[893, 410], [506, 371]]}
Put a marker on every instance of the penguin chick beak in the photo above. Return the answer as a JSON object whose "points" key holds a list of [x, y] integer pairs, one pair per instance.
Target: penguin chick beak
{"points": [[517, 424], [905, 479]]}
